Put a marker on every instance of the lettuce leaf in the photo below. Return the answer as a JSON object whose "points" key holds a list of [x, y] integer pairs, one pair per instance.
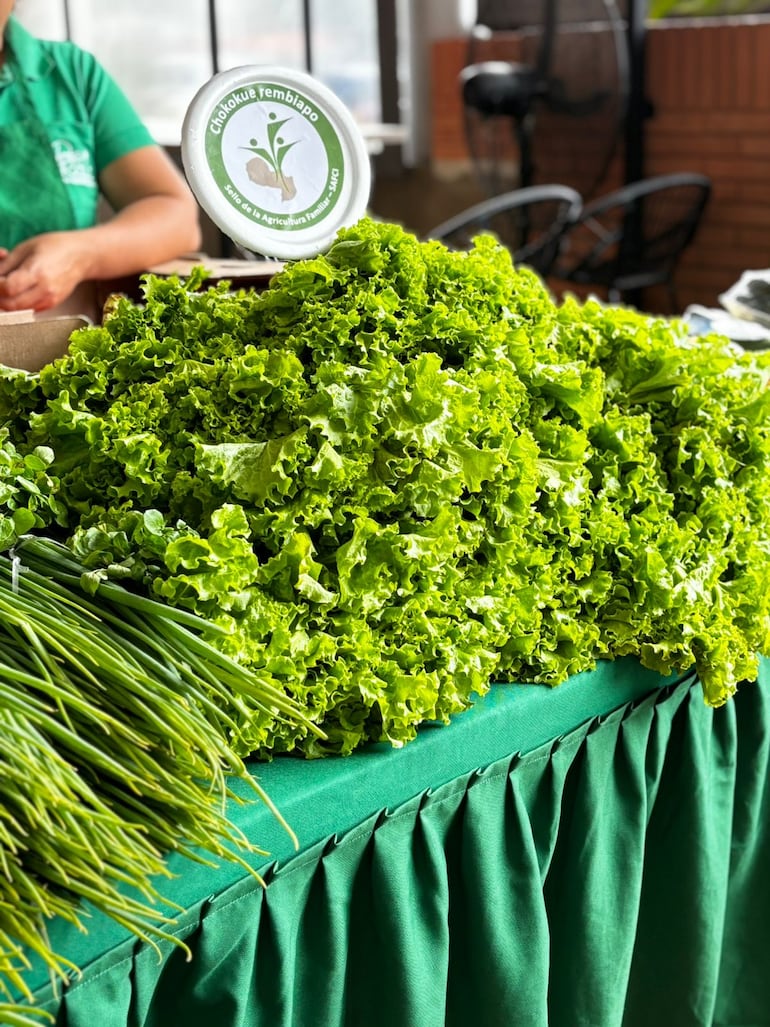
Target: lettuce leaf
{"points": [[401, 472]]}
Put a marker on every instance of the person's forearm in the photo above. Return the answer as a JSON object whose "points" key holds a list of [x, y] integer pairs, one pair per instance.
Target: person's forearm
{"points": [[148, 231]]}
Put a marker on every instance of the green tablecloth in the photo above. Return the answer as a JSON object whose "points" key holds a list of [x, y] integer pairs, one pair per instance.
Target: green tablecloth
{"points": [[590, 855]]}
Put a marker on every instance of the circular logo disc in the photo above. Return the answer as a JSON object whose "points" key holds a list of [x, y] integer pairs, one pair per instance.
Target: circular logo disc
{"points": [[275, 159]]}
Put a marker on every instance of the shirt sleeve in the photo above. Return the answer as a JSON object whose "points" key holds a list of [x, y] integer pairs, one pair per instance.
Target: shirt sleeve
{"points": [[117, 127]]}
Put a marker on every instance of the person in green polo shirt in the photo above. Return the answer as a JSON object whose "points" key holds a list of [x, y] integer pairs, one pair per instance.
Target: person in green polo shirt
{"points": [[68, 134]]}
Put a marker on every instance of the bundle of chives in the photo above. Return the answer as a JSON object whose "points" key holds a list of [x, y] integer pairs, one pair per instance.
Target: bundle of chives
{"points": [[115, 727], [14, 1015]]}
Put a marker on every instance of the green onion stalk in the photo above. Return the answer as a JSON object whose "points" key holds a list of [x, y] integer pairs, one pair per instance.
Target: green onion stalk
{"points": [[118, 724]]}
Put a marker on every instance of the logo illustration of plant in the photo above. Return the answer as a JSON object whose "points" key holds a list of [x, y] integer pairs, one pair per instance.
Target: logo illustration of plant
{"points": [[266, 166]]}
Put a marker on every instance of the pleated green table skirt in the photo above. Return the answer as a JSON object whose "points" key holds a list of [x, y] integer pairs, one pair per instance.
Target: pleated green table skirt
{"points": [[617, 873]]}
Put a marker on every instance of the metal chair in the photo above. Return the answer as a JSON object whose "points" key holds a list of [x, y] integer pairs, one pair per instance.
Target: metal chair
{"points": [[530, 222], [634, 237]]}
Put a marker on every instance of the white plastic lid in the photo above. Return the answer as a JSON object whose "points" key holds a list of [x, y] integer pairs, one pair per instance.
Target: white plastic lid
{"points": [[275, 159]]}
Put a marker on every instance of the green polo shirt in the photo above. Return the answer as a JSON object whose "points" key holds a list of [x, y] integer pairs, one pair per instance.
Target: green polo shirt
{"points": [[86, 116]]}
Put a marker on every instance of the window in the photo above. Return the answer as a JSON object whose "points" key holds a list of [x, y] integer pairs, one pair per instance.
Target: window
{"points": [[162, 51], [43, 18]]}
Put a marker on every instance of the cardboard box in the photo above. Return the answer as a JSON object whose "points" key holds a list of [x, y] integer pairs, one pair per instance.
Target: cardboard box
{"points": [[29, 341], [253, 272], [30, 344], [242, 274]]}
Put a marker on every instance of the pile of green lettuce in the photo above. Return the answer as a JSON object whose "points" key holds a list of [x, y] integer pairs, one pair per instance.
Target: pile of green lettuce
{"points": [[401, 472], [27, 491]]}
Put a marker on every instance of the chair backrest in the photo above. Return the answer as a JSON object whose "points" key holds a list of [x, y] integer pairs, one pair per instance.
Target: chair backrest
{"points": [[530, 222], [633, 237]]}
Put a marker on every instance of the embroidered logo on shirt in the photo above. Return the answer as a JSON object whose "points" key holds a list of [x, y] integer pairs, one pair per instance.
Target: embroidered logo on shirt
{"points": [[75, 166]]}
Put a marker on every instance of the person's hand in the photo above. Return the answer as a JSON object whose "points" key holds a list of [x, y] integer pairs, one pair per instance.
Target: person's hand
{"points": [[155, 219], [41, 272]]}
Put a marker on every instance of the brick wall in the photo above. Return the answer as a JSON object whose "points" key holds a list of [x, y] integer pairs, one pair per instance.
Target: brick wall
{"points": [[709, 84]]}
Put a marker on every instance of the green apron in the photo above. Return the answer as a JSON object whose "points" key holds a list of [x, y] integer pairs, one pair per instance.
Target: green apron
{"points": [[33, 197]]}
